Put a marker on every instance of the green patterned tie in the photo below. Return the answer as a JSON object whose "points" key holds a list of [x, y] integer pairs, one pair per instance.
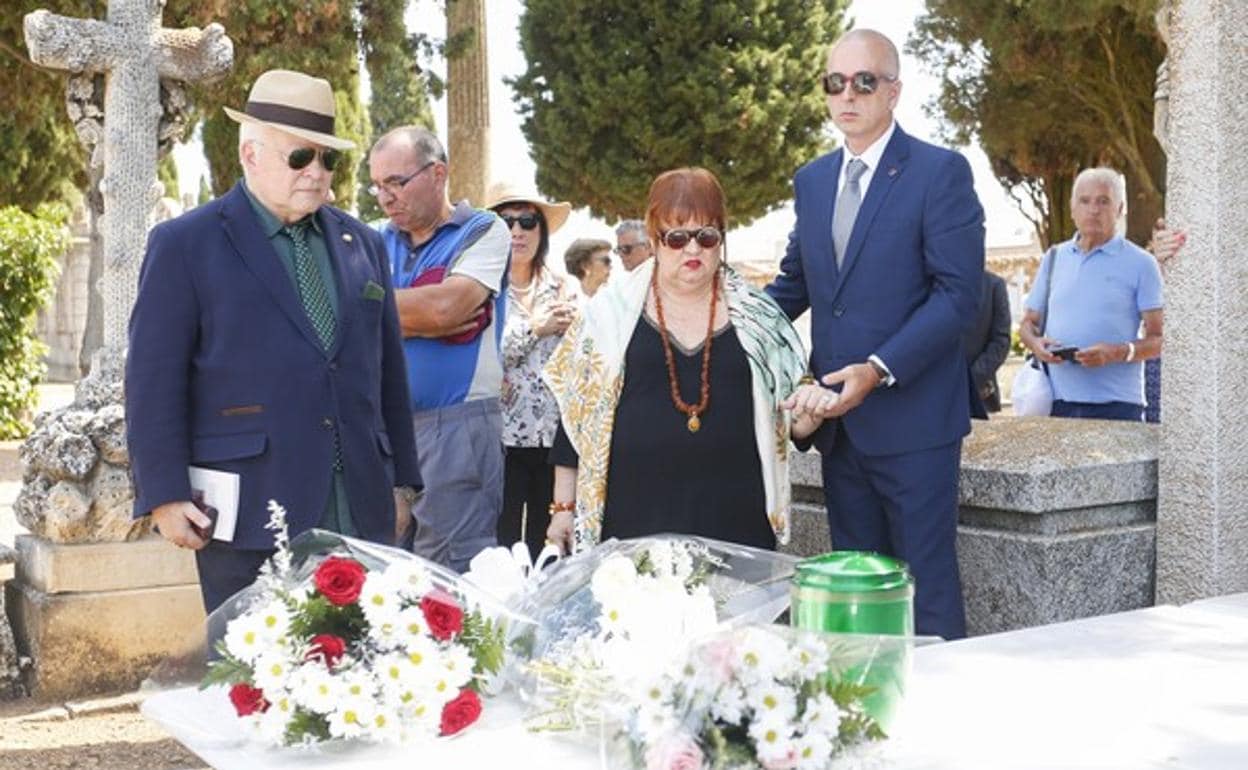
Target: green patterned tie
{"points": [[311, 283]]}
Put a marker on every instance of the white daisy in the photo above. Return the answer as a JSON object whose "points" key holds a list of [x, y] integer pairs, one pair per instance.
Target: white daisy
{"points": [[272, 673], [245, 638], [772, 702], [813, 751], [315, 688], [379, 598], [410, 579], [458, 663]]}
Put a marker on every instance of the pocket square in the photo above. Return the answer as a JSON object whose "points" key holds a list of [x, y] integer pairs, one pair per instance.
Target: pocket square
{"points": [[373, 291]]}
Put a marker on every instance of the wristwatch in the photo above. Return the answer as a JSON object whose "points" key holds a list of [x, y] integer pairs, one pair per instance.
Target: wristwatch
{"points": [[881, 371]]}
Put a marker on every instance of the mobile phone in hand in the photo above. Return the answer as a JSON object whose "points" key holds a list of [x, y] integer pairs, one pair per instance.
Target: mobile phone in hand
{"points": [[1064, 352]]}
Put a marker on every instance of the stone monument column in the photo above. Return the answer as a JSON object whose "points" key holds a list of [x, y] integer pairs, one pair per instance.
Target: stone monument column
{"points": [[1202, 511], [468, 102]]}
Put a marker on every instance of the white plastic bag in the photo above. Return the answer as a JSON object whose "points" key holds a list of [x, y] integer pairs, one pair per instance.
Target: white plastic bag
{"points": [[1032, 393]]}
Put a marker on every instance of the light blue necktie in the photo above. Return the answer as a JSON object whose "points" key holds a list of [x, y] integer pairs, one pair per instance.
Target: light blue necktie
{"points": [[847, 204]]}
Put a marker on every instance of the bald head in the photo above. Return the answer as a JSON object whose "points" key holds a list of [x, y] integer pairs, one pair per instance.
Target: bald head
{"points": [[880, 47]]}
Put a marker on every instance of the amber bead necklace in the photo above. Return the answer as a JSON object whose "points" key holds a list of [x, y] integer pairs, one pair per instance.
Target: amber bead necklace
{"points": [[694, 422]]}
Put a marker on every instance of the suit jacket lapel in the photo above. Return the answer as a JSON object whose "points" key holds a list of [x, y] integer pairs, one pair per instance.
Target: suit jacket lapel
{"points": [[249, 240], [892, 164], [828, 248]]}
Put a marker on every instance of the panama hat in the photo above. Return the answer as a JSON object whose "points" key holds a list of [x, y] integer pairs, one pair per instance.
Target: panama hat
{"points": [[501, 193], [293, 102]]}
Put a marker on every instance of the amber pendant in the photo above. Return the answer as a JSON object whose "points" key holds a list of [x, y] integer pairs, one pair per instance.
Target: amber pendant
{"points": [[694, 423]]}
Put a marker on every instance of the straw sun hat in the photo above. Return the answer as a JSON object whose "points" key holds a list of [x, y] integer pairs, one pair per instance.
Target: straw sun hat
{"points": [[293, 102], [505, 192]]}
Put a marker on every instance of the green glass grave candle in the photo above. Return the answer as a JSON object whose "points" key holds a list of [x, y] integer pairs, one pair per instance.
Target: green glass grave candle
{"points": [[858, 592]]}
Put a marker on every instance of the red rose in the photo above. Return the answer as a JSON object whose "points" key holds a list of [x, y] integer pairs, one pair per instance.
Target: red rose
{"points": [[248, 700], [461, 712], [327, 648], [443, 614], [340, 580]]}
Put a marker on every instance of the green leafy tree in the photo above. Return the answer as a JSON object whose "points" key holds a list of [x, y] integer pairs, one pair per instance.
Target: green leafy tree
{"points": [[40, 156], [167, 173], [618, 91], [30, 246], [205, 192], [319, 37], [1047, 89], [399, 89]]}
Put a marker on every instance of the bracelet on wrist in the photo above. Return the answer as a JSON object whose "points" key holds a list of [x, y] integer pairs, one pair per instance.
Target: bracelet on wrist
{"points": [[807, 379], [1130, 352], [565, 507]]}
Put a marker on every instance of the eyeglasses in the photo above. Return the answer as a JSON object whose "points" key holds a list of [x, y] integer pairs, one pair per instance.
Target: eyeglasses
{"points": [[864, 83], [624, 249], [299, 158], [706, 237], [526, 221], [394, 185]]}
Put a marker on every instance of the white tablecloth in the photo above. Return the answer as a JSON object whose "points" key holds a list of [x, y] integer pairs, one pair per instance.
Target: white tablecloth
{"points": [[1165, 687]]}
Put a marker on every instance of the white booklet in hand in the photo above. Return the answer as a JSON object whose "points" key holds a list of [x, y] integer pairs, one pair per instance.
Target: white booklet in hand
{"points": [[220, 491]]}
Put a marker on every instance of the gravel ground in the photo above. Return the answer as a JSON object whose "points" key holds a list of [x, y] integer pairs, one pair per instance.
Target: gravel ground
{"points": [[36, 736]]}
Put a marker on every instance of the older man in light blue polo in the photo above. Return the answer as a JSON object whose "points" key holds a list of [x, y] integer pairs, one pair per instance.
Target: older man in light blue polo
{"points": [[1103, 315]]}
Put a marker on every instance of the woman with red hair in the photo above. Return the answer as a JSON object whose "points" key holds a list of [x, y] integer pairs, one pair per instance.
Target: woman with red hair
{"points": [[670, 388]]}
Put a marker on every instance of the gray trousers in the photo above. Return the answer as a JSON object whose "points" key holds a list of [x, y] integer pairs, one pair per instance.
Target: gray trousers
{"points": [[460, 449]]}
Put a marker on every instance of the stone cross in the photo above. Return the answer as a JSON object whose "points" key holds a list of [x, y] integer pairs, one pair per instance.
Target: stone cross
{"points": [[135, 53], [468, 103]]}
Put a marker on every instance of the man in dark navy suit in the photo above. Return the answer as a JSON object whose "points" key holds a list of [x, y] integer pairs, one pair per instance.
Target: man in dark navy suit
{"points": [[264, 342], [888, 253]]}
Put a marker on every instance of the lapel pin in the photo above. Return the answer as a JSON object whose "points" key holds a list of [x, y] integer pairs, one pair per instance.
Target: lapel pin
{"points": [[346, 237], [892, 171]]}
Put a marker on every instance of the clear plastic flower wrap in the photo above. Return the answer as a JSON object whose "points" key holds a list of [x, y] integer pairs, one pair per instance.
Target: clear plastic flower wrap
{"points": [[338, 640], [760, 697], [609, 619]]}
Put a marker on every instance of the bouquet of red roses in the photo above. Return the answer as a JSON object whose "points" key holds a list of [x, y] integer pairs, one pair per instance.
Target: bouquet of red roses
{"points": [[349, 640]]}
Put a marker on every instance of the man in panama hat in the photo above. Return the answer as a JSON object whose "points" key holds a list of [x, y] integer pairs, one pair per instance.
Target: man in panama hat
{"points": [[265, 346]]}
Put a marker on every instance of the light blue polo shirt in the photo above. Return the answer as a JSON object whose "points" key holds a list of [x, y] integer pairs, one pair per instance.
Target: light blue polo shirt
{"points": [[1098, 297]]}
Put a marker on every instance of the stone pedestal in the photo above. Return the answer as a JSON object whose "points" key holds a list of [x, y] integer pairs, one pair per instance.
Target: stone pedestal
{"points": [[1202, 514], [96, 617], [1056, 520]]}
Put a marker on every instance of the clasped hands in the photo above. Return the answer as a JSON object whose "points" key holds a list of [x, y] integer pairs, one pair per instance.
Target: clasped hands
{"points": [[814, 401]]}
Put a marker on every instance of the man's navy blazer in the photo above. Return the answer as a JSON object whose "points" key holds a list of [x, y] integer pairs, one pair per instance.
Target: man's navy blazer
{"points": [[225, 371], [908, 288]]}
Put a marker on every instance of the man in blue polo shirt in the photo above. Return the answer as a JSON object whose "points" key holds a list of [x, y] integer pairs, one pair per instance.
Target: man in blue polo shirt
{"points": [[1103, 289], [449, 266]]}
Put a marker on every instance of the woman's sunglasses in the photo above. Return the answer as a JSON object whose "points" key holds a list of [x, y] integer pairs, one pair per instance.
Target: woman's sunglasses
{"points": [[864, 83], [526, 221], [707, 238]]}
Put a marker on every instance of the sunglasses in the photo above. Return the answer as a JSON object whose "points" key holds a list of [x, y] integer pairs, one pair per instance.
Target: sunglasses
{"points": [[706, 237], [864, 83], [526, 221], [299, 159], [628, 248]]}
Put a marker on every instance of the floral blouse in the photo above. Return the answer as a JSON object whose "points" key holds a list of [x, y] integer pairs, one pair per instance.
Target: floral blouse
{"points": [[530, 413]]}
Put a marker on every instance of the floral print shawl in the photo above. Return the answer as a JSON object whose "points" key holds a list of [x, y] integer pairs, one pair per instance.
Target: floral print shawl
{"points": [[586, 374]]}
